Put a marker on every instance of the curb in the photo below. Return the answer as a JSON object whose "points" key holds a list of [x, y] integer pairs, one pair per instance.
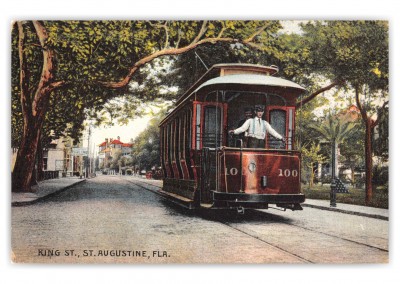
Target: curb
{"points": [[42, 198], [375, 216], [334, 209]]}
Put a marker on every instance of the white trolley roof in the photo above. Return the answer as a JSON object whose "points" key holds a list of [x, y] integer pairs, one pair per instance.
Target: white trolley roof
{"points": [[251, 79]]}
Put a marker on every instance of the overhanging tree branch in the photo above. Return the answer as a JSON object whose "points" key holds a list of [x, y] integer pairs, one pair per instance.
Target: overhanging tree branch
{"points": [[170, 51], [313, 95], [223, 29], [256, 33], [162, 26], [179, 50], [201, 32], [165, 26], [45, 85]]}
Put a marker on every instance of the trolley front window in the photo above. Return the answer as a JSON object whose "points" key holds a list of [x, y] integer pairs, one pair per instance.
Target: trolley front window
{"points": [[277, 120], [282, 120]]}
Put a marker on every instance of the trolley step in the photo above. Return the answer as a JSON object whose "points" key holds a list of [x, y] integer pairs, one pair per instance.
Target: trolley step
{"points": [[178, 199]]}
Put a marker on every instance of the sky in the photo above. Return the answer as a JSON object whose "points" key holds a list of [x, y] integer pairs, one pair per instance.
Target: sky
{"points": [[125, 132], [292, 26], [205, 9]]}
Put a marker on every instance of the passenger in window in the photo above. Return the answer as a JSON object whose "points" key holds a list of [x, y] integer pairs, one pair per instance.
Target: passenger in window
{"points": [[248, 114], [257, 128]]}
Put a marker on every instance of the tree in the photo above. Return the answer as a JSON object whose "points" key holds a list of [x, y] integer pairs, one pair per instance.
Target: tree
{"points": [[88, 63], [190, 66], [116, 160], [353, 54], [310, 156], [370, 124], [352, 153], [146, 146], [335, 130]]}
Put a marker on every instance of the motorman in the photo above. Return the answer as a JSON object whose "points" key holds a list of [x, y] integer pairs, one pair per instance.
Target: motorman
{"points": [[257, 128]]}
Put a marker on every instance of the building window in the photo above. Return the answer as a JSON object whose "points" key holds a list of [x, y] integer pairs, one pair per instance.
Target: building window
{"points": [[45, 164]]}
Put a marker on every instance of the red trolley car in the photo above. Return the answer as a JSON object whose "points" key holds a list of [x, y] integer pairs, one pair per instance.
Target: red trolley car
{"points": [[204, 166]]}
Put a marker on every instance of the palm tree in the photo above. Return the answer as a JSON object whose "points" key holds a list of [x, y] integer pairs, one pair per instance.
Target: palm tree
{"points": [[335, 129], [310, 156]]}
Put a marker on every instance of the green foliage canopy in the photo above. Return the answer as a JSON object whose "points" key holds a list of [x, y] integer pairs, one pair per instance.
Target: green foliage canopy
{"points": [[94, 61], [353, 51], [146, 147]]}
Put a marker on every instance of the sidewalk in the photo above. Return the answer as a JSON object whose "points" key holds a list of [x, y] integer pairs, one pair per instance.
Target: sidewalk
{"points": [[50, 187], [377, 213], [43, 190]]}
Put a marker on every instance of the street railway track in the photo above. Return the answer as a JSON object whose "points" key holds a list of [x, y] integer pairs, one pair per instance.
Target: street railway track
{"points": [[146, 184]]}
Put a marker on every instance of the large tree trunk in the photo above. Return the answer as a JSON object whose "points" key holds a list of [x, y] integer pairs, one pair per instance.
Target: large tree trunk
{"points": [[40, 164], [369, 127], [25, 162], [34, 106]]}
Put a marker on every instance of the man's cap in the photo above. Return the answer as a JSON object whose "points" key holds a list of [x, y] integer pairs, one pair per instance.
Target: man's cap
{"points": [[259, 108], [248, 109]]}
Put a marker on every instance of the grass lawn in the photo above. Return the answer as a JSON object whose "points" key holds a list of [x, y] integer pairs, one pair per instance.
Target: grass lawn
{"points": [[380, 195]]}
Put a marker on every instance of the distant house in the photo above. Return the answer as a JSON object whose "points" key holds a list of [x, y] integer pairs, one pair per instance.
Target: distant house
{"points": [[57, 156], [109, 146], [351, 114], [54, 156]]}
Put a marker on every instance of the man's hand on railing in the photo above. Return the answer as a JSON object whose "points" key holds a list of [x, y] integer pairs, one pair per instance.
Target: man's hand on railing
{"points": [[284, 141]]}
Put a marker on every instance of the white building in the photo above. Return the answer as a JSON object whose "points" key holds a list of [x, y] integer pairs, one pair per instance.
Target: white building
{"points": [[109, 146]]}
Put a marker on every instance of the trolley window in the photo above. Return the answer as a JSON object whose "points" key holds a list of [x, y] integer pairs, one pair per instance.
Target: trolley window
{"points": [[189, 128], [290, 134], [178, 144], [212, 127], [277, 119], [168, 142], [198, 126]]}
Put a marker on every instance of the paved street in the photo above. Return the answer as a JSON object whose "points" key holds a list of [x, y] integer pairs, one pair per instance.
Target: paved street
{"points": [[112, 220]]}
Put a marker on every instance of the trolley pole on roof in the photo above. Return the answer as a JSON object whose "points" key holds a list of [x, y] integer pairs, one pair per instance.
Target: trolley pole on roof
{"points": [[201, 60]]}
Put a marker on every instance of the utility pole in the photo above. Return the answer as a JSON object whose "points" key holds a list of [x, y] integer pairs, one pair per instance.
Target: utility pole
{"points": [[89, 152], [336, 185]]}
